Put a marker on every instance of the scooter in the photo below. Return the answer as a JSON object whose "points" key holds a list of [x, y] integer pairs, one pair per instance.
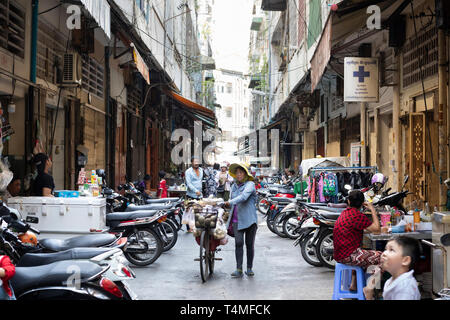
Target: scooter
{"points": [[65, 280], [141, 243], [167, 225], [118, 270]]}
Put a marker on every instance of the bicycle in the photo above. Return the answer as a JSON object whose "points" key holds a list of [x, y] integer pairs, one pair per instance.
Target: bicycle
{"points": [[205, 220]]}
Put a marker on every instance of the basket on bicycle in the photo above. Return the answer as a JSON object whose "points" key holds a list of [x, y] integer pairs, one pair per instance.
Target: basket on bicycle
{"points": [[207, 218]]}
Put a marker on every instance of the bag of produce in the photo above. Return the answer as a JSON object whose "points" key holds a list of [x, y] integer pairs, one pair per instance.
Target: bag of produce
{"points": [[220, 231]]}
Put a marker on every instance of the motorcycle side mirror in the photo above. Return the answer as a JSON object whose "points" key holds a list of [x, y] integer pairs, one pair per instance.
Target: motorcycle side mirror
{"points": [[120, 187], [101, 173], [405, 181]]}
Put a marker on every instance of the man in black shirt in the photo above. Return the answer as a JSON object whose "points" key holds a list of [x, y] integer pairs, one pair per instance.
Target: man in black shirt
{"points": [[43, 184]]}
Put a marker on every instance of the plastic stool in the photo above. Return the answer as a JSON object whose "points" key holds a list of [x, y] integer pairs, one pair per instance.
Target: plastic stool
{"points": [[343, 280]]}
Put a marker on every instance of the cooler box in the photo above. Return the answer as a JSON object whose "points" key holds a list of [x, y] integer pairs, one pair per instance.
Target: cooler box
{"points": [[62, 215]]}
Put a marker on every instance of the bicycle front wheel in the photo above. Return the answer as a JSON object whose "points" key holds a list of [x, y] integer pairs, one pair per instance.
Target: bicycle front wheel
{"points": [[204, 255]]}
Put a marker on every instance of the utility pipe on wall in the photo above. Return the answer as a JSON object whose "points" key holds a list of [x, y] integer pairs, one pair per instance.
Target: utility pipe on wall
{"points": [[363, 134], [397, 143], [34, 35], [442, 133]]}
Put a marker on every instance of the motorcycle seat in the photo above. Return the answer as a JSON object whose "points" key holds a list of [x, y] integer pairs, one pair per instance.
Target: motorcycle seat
{"points": [[286, 191], [324, 208], [156, 206], [282, 199], [337, 205], [90, 240], [39, 259], [54, 274], [162, 200], [119, 216], [330, 215]]}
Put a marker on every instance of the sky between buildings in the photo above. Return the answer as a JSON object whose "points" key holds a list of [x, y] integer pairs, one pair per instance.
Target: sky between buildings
{"points": [[231, 34]]}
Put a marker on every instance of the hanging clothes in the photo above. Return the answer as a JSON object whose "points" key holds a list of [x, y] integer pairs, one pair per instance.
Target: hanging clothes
{"points": [[320, 184]]}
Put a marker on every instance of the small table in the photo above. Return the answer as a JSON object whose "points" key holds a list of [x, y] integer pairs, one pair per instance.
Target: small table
{"points": [[388, 236]]}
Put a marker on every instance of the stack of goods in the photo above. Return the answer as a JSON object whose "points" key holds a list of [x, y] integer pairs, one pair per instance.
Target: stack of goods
{"points": [[207, 214], [89, 186]]}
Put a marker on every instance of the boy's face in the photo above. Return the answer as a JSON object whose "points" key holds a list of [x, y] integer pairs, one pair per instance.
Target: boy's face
{"points": [[392, 259]]}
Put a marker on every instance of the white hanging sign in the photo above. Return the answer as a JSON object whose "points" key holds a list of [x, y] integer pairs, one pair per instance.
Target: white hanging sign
{"points": [[361, 79]]}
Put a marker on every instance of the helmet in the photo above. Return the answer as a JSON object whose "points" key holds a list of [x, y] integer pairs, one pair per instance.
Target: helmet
{"points": [[378, 178], [28, 238]]}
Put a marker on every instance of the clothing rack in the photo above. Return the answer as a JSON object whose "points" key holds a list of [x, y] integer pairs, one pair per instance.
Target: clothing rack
{"points": [[374, 168]]}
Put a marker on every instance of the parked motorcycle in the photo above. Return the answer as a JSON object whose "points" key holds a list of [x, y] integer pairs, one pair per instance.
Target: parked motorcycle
{"points": [[323, 240], [22, 255], [307, 231], [65, 280], [167, 225]]}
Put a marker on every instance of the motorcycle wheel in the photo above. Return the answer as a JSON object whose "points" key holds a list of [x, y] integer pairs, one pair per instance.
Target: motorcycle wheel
{"points": [[269, 223], [169, 233], [179, 218], [278, 225], [309, 252], [155, 248], [288, 229], [262, 208], [325, 242], [126, 295]]}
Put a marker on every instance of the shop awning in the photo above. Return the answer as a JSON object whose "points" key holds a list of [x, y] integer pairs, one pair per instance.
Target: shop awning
{"points": [[101, 12], [273, 124], [141, 65], [198, 111], [205, 120]]}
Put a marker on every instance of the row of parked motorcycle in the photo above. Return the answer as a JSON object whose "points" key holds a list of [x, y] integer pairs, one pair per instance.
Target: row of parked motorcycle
{"points": [[97, 265], [290, 215]]}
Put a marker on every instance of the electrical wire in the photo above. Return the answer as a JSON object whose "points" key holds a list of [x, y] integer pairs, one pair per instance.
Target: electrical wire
{"points": [[48, 10]]}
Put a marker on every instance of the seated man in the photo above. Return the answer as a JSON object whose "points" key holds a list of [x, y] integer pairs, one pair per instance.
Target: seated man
{"points": [[348, 234], [13, 189]]}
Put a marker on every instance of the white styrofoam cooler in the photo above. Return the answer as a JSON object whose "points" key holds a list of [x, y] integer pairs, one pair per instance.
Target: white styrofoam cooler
{"points": [[63, 215]]}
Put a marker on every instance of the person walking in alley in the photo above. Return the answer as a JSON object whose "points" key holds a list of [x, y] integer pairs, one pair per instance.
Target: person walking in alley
{"points": [[224, 180], [244, 218], [211, 180], [193, 177], [162, 190]]}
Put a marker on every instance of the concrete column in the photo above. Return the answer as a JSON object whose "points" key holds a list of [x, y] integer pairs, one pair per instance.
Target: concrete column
{"points": [[363, 134], [377, 138], [397, 143], [443, 152]]}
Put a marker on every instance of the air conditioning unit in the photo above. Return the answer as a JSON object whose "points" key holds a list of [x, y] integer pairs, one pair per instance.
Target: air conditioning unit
{"points": [[72, 69]]}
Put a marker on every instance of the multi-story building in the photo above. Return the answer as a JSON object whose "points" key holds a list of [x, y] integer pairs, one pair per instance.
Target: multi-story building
{"points": [[400, 132], [233, 116], [99, 86]]}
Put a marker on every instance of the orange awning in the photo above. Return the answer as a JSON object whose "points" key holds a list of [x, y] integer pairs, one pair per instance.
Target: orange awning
{"points": [[191, 104]]}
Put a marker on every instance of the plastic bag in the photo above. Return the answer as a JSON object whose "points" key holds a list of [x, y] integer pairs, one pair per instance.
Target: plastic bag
{"points": [[224, 241], [5, 176], [220, 231], [189, 218]]}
